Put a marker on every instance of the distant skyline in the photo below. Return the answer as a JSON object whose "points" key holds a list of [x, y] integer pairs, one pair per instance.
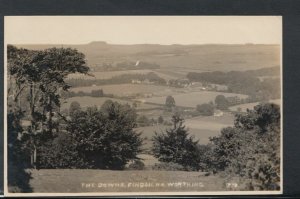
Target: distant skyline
{"points": [[165, 30]]}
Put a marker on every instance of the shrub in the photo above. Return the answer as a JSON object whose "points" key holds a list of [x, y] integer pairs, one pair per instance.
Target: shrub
{"points": [[136, 165], [105, 138], [60, 153]]}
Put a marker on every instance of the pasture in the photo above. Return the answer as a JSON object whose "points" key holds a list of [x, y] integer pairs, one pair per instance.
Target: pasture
{"points": [[103, 181], [192, 99]]}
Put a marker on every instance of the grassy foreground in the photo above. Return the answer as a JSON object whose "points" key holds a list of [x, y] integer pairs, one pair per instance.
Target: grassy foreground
{"points": [[80, 180]]}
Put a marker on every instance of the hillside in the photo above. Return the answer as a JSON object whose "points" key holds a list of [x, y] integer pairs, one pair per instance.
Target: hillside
{"points": [[209, 57]]}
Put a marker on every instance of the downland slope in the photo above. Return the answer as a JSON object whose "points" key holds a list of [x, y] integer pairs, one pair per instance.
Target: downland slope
{"points": [[211, 57]]}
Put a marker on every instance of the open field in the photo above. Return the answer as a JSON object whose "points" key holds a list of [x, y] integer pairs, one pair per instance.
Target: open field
{"points": [[200, 127], [192, 99], [250, 106], [125, 89], [87, 101], [101, 181]]}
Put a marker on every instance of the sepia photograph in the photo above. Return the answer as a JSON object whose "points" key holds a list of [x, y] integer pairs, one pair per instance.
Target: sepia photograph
{"points": [[143, 105]]}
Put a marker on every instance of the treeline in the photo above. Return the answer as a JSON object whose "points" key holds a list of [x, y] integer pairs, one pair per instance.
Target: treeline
{"points": [[150, 77], [244, 82], [93, 93], [127, 66]]}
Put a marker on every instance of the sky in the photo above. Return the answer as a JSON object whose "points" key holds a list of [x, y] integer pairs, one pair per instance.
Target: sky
{"points": [[143, 29]]}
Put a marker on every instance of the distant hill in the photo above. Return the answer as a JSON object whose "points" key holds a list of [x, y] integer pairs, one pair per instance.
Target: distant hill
{"points": [[212, 57]]}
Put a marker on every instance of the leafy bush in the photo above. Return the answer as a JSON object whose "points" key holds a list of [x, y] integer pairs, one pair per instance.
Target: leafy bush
{"points": [[136, 165], [176, 146], [105, 138], [60, 153]]}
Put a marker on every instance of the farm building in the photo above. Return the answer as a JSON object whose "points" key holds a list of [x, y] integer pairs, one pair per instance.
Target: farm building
{"points": [[218, 113]]}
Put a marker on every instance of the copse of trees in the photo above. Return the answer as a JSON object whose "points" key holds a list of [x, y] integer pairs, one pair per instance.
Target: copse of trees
{"points": [[205, 109], [105, 138], [175, 145], [250, 150], [243, 82], [93, 93]]}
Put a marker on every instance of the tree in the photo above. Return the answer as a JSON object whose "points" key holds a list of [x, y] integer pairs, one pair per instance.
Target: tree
{"points": [[175, 145], [74, 107], [205, 109], [170, 102], [221, 102], [160, 119], [40, 76], [105, 138]]}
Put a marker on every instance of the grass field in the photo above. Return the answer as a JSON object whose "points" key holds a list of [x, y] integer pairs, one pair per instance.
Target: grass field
{"points": [[87, 101], [125, 89], [192, 99], [80, 180], [250, 106], [202, 128]]}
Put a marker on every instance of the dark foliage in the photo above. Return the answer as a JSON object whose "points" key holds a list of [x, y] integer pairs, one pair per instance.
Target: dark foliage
{"points": [[105, 138], [221, 102], [205, 109], [244, 82], [251, 149], [170, 102], [18, 177], [60, 153], [176, 146]]}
